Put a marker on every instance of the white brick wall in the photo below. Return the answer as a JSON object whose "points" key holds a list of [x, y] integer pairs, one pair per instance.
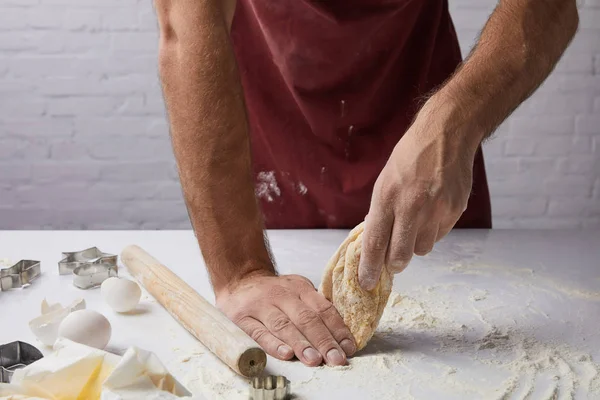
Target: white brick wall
{"points": [[84, 142]]}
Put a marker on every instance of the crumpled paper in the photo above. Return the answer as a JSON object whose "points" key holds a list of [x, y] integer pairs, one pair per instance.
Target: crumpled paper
{"points": [[75, 371]]}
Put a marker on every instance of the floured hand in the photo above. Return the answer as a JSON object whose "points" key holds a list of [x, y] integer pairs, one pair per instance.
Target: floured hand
{"points": [[419, 196], [286, 316]]}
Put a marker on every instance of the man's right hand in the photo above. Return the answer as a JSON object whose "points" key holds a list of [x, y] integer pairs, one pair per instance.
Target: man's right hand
{"points": [[285, 315]]}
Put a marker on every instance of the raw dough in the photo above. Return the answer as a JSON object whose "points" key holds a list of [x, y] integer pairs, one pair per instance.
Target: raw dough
{"points": [[361, 310]]}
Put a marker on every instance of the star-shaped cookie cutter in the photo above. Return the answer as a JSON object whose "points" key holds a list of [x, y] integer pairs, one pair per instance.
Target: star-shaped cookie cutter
{"points": [[90, 267], [19, 275]]}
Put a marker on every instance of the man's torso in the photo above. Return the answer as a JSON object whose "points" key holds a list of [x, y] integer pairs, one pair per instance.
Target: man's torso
{"points": [[330, 88]]}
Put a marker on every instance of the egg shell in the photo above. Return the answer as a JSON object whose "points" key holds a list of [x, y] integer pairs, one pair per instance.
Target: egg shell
{"points": [[122, 295], [87, 327], [48, 308], [45, 327]]}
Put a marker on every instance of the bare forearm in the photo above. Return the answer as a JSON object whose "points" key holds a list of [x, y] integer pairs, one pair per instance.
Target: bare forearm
{"points": [[518, 48], [209, 132]]}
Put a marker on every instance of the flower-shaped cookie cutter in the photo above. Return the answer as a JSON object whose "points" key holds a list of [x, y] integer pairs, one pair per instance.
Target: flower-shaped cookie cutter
{"points": [[90, 267], [19, 275], [270, 387]]}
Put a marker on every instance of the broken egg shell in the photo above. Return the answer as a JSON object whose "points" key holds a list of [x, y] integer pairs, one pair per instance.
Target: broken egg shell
{"points": [[121, 294], [45, 327], [48, 308], [87, 327]]}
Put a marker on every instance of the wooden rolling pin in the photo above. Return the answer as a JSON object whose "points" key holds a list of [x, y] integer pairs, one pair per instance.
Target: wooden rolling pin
{"points": [[209, 325]]}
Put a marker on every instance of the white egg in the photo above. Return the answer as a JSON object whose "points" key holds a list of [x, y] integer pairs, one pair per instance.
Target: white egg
{"points": [[121, 294], [87, 327]]}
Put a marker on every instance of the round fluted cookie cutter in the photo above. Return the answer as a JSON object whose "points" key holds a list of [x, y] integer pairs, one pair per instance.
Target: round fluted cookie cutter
{"points": [[270, 387]]}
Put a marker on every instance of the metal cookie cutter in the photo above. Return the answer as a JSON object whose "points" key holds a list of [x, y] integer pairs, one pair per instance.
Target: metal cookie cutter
{"points": [[270, 388], [90, 267], [19, 275], [14, 356], [91, 275]]}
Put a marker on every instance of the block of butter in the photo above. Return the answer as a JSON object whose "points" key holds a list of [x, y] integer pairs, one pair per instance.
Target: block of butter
{"points": [[75, 371]]}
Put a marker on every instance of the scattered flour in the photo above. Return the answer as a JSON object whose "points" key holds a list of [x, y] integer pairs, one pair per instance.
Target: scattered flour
{"points": [[302, 189], [347, 148], [216, 382], [5, 263], [266, 187], [394, 299], [268, 183], [444, 341], [478, 295], [540, 282]]}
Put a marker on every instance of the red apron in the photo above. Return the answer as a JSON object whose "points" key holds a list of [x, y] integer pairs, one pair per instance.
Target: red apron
{"points": [[330, 87]]}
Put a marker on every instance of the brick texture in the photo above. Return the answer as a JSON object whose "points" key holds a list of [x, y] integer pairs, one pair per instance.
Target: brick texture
{"points": [[84, 140]]}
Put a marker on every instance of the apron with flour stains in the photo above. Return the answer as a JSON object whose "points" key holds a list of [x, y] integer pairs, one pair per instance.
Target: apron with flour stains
{"points": [[330, 87]]}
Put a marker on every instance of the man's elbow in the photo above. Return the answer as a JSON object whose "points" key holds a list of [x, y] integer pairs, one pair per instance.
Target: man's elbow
{"points": [[558, 21], [565, 15], [165, 10], [571, 18], [188, 23]]}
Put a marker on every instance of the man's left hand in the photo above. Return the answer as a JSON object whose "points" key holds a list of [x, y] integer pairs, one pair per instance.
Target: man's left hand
{"points": [[419, 195]]}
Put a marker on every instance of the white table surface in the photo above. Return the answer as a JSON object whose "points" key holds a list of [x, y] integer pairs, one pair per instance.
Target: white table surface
{"points": [[488, 314]]}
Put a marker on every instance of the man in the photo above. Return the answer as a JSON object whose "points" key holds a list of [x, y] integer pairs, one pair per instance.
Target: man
{"points": [[328, 111]]}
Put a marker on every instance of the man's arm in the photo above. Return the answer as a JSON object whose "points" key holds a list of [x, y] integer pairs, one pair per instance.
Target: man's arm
{"points": [[205, 103], [424, 188], [518, 48], [209, 134]]}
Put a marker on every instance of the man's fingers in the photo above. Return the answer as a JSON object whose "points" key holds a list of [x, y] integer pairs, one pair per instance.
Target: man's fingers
{"points": [[402, 244], [282, 327], [376, 237], [313, 328], [332, 319], [426, 239], [261, 335]]}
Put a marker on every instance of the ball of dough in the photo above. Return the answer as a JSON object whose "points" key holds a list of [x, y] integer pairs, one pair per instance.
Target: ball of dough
{"points": [[360, 309], [121, 294], [87, 327]]}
